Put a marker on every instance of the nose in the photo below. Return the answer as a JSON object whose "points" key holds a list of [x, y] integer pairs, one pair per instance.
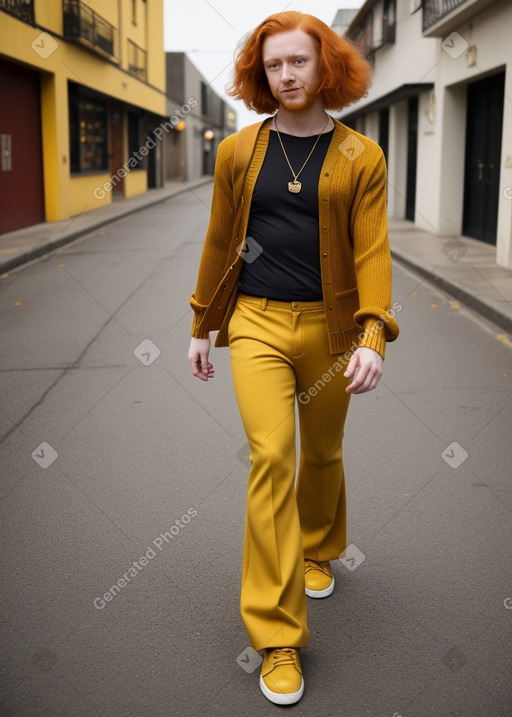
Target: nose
{"points": [[286, 72]]}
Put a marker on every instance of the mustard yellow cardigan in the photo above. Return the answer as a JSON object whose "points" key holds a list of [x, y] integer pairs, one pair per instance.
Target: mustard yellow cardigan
{"points": [[354, 245]]}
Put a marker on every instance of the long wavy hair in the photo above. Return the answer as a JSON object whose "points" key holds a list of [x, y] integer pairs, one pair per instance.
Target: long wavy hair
{"points": [[346, 75]]}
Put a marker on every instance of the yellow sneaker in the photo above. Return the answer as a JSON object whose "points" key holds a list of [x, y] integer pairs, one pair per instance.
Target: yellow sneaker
{"points": [[281, 678], [319, 579]]}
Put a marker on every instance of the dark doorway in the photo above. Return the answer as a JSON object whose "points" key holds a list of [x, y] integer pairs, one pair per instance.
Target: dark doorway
{"points": [[21, 166], [384, 131], [116, 146], [412, 156], [484, 126]]}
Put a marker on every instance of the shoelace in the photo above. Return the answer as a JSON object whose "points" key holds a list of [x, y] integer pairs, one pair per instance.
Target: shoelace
{"points": [[283, 656], [312, 565]]}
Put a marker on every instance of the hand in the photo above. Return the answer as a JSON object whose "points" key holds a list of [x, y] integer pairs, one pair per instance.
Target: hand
{"points": [[198, 359], [366, 366]]}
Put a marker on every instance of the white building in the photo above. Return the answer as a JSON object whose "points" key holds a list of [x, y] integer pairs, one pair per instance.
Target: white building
{"points": [[441, 108]]}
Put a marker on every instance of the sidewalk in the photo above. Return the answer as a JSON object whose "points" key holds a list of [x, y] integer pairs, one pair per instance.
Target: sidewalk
{"points": [[463, 267], [23, 245]]}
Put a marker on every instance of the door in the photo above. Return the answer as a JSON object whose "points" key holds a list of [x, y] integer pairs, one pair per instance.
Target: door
{"points": [[116, 146], [412, 159], [384, 131], [21, 165], [483, 152]]}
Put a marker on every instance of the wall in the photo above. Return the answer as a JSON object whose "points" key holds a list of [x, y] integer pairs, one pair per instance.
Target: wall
{"points": [[397, 161]]}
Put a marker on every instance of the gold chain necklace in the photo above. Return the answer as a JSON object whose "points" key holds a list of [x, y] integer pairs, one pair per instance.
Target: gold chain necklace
{"points": [[296, 186]]}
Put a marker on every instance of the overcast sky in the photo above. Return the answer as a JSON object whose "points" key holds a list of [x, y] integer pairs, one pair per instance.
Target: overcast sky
{"points": [[209, 30]]}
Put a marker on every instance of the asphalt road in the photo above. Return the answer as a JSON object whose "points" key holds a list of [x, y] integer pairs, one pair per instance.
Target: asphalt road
{"points": [[123, 490]]}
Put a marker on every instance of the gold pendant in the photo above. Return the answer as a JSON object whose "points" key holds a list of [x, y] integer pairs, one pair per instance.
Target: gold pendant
{"points": [[294, 186]]}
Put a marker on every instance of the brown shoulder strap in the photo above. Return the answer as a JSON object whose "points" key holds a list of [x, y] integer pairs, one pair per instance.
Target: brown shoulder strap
{"points": [[244, 148]]}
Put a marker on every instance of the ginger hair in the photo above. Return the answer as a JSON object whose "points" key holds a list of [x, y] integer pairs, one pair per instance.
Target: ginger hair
{"points": [[346, 75]]}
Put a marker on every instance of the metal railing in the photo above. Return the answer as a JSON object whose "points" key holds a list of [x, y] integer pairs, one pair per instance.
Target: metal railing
{"points": [[137, 61], [22, 9], [435, 10], [82, 23]]}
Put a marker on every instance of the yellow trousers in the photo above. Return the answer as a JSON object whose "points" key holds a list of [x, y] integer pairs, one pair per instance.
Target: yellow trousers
{"points": [[280, 358]]}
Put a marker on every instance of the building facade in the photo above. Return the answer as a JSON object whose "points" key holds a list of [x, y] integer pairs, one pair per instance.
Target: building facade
{"points": [[204, 120], [440, 108], [83, 89]]}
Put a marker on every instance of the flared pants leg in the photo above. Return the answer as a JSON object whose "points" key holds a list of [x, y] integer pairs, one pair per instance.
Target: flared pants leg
{"points": [[280, 354]]}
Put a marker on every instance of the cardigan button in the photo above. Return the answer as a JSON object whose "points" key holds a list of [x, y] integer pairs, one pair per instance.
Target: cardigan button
{"points": [[324, 228], [324, 254], [327, 282], [224, 287], [331, 308]]}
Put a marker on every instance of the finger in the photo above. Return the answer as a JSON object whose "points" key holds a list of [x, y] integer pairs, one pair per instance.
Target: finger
{"points": [[362, 378], [370, 382], [195, 364], [352, 365], [204, 362]]}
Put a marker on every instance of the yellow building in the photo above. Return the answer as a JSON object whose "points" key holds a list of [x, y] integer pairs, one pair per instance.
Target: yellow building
{"points": [[82, 91]]}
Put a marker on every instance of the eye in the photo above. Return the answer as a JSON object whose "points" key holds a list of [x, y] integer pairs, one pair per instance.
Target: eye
{"points": [[299, 61]]}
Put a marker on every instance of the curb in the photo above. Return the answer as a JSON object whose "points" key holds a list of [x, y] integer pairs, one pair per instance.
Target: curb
{"points": [[457, 291], [36, 251]]}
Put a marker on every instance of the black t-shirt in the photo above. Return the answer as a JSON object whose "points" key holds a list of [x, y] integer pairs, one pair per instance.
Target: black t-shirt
{"points": [[283, 262]]}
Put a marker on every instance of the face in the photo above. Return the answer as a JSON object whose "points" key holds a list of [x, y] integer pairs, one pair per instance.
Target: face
{"points": [[292, 65]]}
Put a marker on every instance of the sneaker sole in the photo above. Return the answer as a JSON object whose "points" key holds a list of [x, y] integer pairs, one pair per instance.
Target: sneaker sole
{"points": [[321, 593], [281, 699]]}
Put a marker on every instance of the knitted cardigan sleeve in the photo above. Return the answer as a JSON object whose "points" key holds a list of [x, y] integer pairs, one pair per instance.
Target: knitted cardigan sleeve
{"points": [[372, 256], [215, 255]]}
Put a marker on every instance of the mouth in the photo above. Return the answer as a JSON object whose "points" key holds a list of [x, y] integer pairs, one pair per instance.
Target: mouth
{"points": [[291, 90]]}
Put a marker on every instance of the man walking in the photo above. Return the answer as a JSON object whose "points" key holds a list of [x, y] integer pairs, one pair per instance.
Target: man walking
{"points": [[296, 276]]}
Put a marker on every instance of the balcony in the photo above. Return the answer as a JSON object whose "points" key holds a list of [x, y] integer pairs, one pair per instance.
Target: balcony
{"points": [[374, 28], [21, 9], [86, 27], [440, 17], [137, 61]]}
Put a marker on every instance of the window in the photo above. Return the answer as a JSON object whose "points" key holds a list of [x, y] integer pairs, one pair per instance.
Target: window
{"points": [[204, 99], [365, 39], [134, 143], [389, 21], [88, 136]]}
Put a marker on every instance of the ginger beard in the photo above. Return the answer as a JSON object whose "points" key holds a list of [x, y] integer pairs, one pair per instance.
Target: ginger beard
{"points": [[298, 101]]}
